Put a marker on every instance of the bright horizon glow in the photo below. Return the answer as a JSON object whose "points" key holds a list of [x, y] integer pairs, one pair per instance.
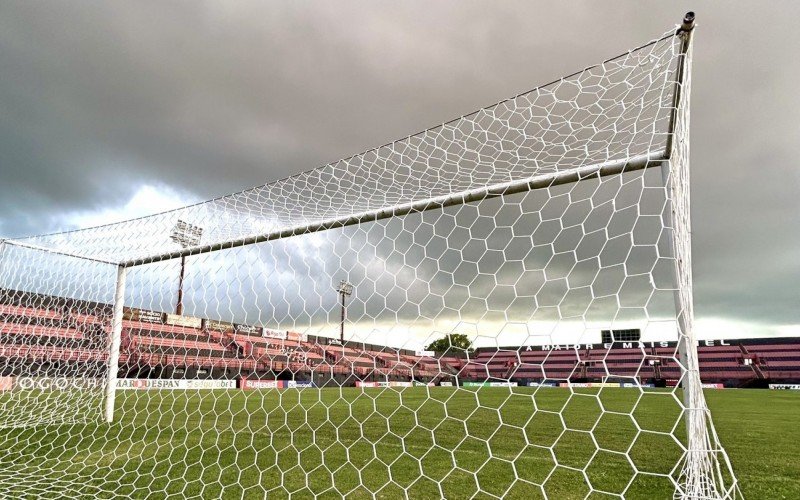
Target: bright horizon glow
{"points": [[147, 200]]}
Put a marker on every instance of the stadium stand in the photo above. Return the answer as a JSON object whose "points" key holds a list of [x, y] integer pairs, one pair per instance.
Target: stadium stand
{"points": [[51, 334]]}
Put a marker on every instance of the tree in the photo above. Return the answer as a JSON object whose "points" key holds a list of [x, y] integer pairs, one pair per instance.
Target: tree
{"points": [[457, 340]]}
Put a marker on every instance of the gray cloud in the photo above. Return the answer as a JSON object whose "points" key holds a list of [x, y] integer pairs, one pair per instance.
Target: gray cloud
{"points": [[100, 99]]}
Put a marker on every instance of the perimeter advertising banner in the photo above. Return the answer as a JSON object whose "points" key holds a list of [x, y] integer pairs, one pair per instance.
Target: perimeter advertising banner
{"points": [[299, 384], [249, 330], [219, 326], [785, 387], [143, 316], [583, 385], [489, 384], [253, 384], [169, 384], [258, 384], [6, 383], [77, 383], [275, 334], [383, 384], [56, 383], [185, 321], [626, 385]]}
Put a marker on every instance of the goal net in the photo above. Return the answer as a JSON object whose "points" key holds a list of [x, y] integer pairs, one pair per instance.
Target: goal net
{"points": [[274, 342]]}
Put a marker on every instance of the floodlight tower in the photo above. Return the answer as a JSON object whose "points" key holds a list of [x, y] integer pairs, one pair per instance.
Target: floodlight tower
{"points": [[186, 235], [345, 289]]}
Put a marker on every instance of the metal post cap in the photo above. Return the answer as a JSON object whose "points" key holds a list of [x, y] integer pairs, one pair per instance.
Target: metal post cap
{"points": [[688, 22]]}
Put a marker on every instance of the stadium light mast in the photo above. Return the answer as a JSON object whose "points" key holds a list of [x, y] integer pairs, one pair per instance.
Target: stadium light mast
{"points": [[345, 289], [186, 235]]}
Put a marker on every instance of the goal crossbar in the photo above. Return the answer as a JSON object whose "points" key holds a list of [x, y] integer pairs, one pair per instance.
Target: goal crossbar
{"points": [[503, 189]]}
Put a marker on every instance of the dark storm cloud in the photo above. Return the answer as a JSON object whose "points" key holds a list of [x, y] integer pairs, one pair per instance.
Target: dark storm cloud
{"points": [[99, 99]]}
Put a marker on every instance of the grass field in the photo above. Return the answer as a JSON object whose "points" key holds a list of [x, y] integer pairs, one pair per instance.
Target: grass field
{"points": [[423, 442]]}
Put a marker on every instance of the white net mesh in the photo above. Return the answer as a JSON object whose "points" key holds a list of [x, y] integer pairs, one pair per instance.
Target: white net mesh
{"points": [[528, 226]]}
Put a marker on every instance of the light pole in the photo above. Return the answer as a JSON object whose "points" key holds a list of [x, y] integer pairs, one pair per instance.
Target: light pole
{"points": [[186, 235], [345, 289]]}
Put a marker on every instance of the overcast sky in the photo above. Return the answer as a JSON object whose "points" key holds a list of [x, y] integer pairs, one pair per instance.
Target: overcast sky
{"points": [[113, 110]]}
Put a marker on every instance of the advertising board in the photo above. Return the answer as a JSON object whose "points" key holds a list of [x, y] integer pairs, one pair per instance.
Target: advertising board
{"points": [[56, 383], [6, 383], [249, 330], [383, 384], [489, 384], [582, 385], [173, 384], [219, 326], [253, 384], [185, 321], [143, 316], [275, 334]]}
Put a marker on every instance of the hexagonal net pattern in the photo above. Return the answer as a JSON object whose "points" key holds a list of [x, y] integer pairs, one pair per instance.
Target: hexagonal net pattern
{"points": [[275, 342]]}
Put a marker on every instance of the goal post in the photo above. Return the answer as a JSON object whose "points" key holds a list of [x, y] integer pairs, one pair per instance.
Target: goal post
{"points": [[114, 344], [529, 226]]}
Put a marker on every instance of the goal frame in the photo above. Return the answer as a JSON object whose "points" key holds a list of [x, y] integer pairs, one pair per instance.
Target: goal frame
{"points": [[694, 405]]}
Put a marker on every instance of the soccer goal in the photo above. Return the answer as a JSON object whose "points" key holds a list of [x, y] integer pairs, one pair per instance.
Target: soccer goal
{"points": [[421, 320]]}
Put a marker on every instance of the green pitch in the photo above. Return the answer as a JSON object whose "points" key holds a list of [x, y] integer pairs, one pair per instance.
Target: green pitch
{"points": [[208, 444]]}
